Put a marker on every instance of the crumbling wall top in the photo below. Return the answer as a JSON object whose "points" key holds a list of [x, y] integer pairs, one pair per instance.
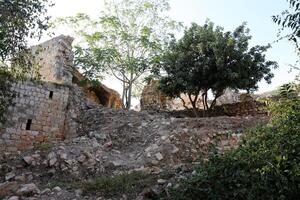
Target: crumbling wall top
{"points": [[54, 59]]}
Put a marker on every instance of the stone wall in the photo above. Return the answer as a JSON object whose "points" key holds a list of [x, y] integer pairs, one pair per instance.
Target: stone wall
{"points": [[38, 115], [54, 60], [47, 110], [231, 103], [177, 103], [77, 104], [244, 108], [98, 93], [152, 98]]}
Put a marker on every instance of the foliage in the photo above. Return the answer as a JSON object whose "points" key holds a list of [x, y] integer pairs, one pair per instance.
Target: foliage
{"points": [[6, 94], [20, 20], [130, 184], [207, 59], [126, 40], [290, 19], [120, 184], [265, 166], [44, 146]]}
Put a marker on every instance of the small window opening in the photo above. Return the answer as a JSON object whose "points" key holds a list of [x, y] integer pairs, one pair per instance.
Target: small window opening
{"points": [[28, 125], [51, 95]]}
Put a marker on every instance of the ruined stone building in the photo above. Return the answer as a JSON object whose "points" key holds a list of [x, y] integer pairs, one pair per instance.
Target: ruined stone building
{"points": [[231, 103], [47, 109]]}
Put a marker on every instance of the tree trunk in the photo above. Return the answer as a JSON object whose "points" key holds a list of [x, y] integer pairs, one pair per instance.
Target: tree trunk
{"points": [[128, 103], [123, 95], [193, 102], [206, 100], [129, 92], [203, 102], [213, 103], [215, 100], [183, 103]]}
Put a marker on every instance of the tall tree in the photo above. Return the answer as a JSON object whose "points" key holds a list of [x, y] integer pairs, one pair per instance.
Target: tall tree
{"points": [[208, 59], [126, 40]]}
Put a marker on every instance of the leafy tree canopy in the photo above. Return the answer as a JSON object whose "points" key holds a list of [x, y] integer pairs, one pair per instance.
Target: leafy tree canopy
{"points": [[207, 59], [20, 20], [126, 40], [290, 19]]}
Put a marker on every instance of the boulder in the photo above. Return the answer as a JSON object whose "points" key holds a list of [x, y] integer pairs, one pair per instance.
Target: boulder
{"points": [[28, 190]]}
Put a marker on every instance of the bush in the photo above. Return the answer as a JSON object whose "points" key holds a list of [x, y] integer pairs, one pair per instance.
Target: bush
{"points": [[265, 166]]}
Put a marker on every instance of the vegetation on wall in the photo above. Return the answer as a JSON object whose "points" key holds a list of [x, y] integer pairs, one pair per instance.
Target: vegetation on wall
{"points": [[207, 59]]}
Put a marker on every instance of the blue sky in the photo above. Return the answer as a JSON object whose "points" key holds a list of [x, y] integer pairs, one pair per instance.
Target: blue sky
{"points": [[226, 13]]}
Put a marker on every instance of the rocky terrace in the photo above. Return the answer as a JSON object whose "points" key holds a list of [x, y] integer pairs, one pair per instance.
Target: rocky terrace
{"points": [[149, 152]]}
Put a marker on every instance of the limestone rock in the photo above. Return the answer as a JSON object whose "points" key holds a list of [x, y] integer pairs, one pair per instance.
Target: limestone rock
{"points": [[152, 98], [28, 190], [54, 58], [98, 93], [28, 159], [159, 156], [8, 188], [57, 189], [9, 176], [13, 198]]}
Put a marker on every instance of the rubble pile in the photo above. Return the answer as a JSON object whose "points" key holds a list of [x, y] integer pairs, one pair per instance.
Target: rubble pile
{"points": [[114, 142]]}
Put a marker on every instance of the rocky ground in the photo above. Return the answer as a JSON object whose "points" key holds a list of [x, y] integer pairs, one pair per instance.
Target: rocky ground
{"points": [[118, 154]]}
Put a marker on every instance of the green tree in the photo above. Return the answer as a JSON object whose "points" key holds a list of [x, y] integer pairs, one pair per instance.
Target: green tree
{"points": [[208, 59], [20, 20], [126, 40]]}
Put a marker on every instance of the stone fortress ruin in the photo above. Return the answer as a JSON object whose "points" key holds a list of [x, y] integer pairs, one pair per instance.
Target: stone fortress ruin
{"points": [[59, 130], [46, 110]]}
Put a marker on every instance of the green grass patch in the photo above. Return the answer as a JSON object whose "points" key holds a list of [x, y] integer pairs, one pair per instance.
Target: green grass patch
{"points": [[123, 184], [44, 146], [130, 184]]}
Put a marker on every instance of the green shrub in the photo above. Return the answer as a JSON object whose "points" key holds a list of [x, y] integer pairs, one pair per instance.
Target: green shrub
{"points": [[265, 166]]}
